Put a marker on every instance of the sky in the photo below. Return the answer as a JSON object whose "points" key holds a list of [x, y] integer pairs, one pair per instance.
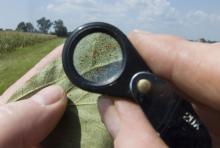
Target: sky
{"points": [[191, 19]]}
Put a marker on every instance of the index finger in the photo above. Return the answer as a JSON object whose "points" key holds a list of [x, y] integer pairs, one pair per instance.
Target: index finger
{"points": [[192, 67]]}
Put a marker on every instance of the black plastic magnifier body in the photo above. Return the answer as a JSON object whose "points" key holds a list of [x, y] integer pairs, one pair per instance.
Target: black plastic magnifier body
{"points": [[133, 81], [131, 63]]}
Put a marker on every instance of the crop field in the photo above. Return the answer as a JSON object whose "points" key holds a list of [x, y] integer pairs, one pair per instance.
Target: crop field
{"points": [[10, 40], [19, 52]]}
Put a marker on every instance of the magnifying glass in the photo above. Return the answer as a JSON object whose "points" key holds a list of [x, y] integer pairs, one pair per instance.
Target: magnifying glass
{"points": [[99, 58]]}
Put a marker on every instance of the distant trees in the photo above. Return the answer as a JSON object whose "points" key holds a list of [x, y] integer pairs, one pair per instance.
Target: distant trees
{"points": [[8, 29], [29, 27], [21, 27], [25, 27], [43, 26], [59, 28], [203, 40]]}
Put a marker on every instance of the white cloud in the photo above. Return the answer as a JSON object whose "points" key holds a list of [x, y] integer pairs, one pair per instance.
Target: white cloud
{"points": [[123, 12], [200, 16], [150, 7], [150, 15], [50, 6]]}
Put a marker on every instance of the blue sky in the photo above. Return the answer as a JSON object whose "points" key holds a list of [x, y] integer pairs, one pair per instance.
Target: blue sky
{"points": [[191, 19]]}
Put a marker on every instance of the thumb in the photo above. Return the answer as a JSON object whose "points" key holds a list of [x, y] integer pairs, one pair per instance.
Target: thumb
{"points": [[26, 123], [127, 124], [191, 67]]}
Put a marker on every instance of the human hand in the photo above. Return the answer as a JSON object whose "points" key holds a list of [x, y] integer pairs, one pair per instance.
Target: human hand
{"points": [[127, 124], [24, 124], [193, 68]]}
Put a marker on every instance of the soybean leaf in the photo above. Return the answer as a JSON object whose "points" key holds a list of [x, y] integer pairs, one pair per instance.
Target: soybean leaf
{"points": [[80, 126]]}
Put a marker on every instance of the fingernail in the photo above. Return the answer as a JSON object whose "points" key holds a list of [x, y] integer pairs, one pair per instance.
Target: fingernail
{"points": [[103, 103], [49, 95], [109, 115]]}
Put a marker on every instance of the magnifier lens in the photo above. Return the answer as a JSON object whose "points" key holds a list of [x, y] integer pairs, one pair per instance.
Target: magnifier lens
{"points": [[98, 58]]}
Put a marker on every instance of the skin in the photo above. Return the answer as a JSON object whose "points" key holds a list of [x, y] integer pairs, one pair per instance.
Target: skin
{"points": [[24, 124], [193, 68]]}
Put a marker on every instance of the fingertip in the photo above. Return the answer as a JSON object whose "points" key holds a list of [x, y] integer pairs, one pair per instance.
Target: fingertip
{"points": [[134, 124], [109, 115], [49, 95], [104, 102]]}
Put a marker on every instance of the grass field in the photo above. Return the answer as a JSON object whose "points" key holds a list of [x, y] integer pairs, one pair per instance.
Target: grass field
{"points": [[14, 64]]}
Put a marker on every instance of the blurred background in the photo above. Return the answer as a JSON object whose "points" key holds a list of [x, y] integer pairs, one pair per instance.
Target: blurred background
{"points": [[30, 29]]}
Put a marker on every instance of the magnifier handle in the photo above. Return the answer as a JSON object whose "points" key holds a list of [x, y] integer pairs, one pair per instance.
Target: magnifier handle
{"points": [[172, 116], [160, 104]]}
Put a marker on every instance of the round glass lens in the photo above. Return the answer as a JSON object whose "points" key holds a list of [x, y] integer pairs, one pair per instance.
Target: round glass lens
{"points": [[98, 58]]}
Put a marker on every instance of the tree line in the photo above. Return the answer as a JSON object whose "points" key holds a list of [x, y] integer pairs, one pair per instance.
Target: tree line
{"points": [[43, 26]]}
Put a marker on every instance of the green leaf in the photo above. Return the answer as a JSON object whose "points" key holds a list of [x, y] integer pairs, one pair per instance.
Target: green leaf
{"points": [[81, 126]]}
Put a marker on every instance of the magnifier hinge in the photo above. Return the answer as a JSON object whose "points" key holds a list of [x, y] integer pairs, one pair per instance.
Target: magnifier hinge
{"points": [[143, 86]]}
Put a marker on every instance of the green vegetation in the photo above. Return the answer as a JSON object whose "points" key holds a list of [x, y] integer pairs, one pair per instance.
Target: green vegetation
{"points": [[43, 26], [9, 40], [14, 64]]}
